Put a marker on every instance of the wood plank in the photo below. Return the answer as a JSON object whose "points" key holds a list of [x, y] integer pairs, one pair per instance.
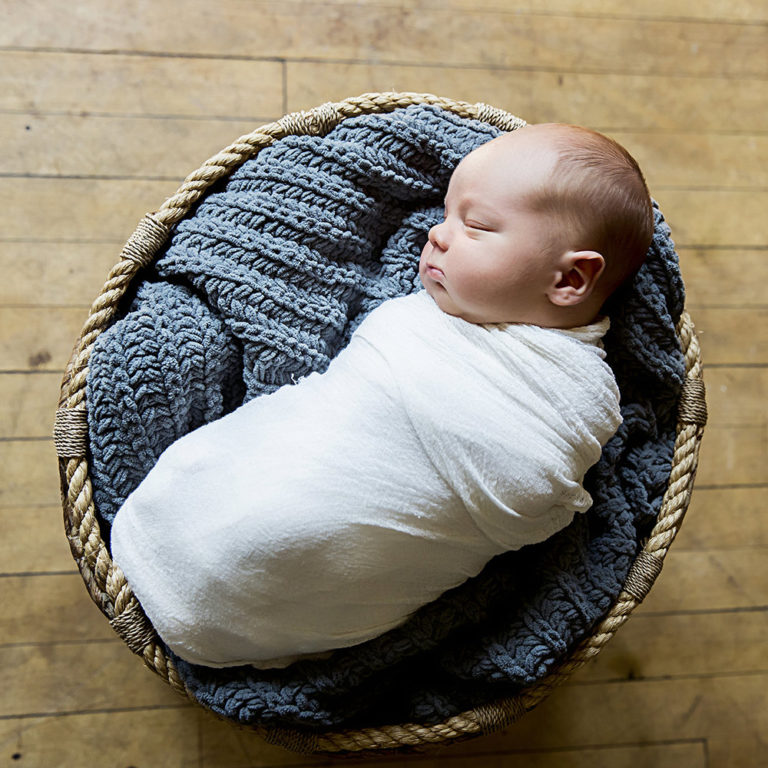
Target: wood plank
{"points": [[729, 712], [395, 35], [39, 338], [693, 160], [173, 732], [221, 733], [723, 277], [33, 541], [166, 737], [724, 518], [732, 336], [180, 736], [737, 396], [733, 455], [608, 101], [715, 217], [84, 210], [69, 741], [151, 85], [111, 146], [669, 646], [28, 474], [752, 11], [79, 677], [690, 754], [50, 609], [55, 274], [224, 745], [166, 86], [108, 210], [712, 580], [28, 404], [135, 146]]}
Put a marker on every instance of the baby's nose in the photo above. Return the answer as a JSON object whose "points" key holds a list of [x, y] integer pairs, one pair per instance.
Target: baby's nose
{"points": [[438, 236]]}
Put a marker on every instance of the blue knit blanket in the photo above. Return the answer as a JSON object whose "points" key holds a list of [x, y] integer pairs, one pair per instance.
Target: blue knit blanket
{"points": [[264, 283]]}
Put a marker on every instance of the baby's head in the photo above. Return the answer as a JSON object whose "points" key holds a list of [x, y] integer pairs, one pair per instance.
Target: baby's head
{"points": [[541, 226]]}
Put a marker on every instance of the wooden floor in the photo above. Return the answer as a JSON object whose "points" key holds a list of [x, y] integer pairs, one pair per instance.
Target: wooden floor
{"points": [[105, 107]]}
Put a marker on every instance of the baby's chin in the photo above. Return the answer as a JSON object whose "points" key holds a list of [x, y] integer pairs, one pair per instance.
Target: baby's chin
{"points": [[444, 302], [438, 293]]}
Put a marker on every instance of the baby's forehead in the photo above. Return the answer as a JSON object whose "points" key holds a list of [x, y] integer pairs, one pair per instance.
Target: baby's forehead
{"points": [[514, 162], [547, 138]]}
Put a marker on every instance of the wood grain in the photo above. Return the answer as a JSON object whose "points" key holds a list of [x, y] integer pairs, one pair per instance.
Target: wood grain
{"points": [[119, 147], [751, 11], [605, 101], [157, 86], [394, 34]]}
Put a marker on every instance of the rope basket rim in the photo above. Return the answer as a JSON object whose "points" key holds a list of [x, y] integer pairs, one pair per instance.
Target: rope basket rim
{"points": [[105, 581]]}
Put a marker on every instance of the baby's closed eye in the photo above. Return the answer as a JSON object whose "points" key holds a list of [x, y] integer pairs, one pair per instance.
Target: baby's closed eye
{"points": [[478, 226]]}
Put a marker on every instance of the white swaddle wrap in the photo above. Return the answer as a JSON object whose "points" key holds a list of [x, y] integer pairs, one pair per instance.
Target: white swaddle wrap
{"points": [[322, 515]]}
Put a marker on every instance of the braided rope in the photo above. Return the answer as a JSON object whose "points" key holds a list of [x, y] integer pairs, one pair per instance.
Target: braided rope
{"points": [[105, 581]]}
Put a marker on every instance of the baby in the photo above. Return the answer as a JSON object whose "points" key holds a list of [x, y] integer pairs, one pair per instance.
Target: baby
{"points": [[456, 425]]}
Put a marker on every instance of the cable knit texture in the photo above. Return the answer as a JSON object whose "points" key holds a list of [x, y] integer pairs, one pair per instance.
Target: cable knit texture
{"points": [[264, 283]]}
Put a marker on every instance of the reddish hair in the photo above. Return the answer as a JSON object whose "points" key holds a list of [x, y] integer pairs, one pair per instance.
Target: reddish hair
{"points": [[599, 190]]}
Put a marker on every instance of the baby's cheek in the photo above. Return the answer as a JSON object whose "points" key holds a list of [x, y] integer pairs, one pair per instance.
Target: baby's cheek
{"points": [[423, 258]]}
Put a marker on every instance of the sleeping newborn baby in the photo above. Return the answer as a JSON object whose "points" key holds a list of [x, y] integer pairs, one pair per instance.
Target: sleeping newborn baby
{"points": [[456, 425]]}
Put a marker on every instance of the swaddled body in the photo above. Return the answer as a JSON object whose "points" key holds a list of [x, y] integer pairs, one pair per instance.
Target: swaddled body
{"points": [[322, 515]]}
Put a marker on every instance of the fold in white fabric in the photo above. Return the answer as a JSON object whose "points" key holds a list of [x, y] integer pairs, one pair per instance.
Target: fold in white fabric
{"points": [[324, 514]]}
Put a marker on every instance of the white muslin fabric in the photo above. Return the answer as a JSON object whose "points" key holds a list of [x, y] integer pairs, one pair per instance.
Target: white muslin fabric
{"points": [[324, 514]]}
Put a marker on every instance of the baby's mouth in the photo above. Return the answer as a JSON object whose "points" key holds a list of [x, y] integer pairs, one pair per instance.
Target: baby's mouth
{"points": [[435, 272]]}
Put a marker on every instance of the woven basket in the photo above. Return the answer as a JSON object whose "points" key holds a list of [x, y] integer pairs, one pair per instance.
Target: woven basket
{"points": [[105, 581]]}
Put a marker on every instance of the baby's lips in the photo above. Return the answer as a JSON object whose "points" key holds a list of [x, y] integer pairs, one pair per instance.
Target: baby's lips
{"points": [[435, 272]]}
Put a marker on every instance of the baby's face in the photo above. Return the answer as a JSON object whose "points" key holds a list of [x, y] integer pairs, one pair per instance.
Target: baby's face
{"points": [[490, 260]]}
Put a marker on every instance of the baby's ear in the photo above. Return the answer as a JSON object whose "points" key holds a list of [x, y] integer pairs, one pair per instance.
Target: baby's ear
{"points": [[576, 279]]}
